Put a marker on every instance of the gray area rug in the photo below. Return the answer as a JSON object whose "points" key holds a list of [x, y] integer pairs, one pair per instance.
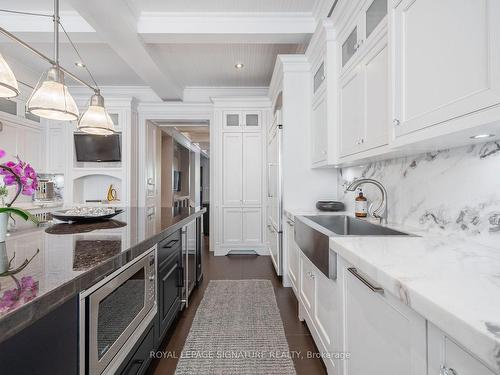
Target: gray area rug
{"points": [[237, 330]]}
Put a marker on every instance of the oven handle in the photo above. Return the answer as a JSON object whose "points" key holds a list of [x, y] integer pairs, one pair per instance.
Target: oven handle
{"points": [[170, 244]]}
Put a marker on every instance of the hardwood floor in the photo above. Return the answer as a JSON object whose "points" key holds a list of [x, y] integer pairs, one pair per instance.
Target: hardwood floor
{"points": [[240, 267]]}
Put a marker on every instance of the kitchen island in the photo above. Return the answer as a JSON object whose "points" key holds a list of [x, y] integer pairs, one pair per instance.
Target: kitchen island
{"points": [[67, 259]]}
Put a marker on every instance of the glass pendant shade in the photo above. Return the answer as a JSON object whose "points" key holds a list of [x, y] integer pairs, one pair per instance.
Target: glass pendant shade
{"points": [[96, 120], [52, 100], [8, 82]]}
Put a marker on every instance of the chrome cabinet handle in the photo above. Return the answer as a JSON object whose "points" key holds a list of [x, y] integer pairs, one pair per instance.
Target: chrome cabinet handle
{"points": [[373, 288], [396, 122], [447, 371]]}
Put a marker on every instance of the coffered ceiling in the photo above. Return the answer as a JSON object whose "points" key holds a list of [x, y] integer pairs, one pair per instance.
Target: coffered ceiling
{"points": [[167, 45]]}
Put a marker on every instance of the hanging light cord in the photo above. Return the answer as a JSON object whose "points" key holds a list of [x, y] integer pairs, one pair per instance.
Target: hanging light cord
{"points": [[79, 56]]}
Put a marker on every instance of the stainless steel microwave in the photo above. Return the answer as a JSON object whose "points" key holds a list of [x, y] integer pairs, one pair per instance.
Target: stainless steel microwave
{"points": [[114, 313]]}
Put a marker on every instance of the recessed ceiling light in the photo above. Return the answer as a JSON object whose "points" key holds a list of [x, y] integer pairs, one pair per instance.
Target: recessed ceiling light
{"points": [[80, 64], [481, 136], [239, 66]]}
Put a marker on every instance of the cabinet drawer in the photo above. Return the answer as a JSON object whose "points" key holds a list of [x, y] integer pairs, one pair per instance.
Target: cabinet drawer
{"points": [[444, 353], [139, 361], [168, 246], [170, 281]]}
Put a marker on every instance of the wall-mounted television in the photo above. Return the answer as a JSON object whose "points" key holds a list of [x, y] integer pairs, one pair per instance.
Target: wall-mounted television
{"points": [[97, 148], [177, 181]]}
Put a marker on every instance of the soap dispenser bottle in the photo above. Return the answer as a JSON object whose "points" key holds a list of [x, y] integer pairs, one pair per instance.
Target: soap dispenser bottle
{"points": [[361, 205]]}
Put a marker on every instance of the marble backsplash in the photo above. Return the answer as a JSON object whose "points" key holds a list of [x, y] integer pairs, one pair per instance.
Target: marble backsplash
{"points": [[455, 191]]}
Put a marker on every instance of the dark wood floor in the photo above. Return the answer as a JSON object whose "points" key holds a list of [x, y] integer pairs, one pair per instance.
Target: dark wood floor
{"points": [[240, 267]]}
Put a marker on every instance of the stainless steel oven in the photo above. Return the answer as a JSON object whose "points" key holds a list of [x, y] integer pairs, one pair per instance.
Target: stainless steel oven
{"points": [[114, 312]]}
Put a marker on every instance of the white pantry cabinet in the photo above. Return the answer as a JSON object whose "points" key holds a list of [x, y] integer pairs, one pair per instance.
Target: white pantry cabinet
{"points": [[446, 65], [382, 335], [448, 358], [242, 121], [242, 226]]}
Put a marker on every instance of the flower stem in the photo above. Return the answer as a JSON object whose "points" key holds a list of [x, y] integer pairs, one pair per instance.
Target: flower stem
{"points": [[19, 184]]}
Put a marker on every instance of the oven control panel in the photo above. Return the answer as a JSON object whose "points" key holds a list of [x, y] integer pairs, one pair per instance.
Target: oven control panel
{"points": [[151, 277]]}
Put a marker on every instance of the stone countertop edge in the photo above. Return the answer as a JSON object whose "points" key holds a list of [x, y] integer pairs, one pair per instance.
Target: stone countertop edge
{"points": [[469, 332], [26, 315]]}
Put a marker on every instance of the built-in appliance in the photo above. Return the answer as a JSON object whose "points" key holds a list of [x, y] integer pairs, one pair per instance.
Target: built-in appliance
{"points": [[97, 148], [45, 191], [274, 193], [114, 313], [189, 260]]}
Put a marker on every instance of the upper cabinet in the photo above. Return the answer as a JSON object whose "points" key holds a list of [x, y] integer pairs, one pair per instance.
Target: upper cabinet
{"points": [[242, 121], [447, 64]]}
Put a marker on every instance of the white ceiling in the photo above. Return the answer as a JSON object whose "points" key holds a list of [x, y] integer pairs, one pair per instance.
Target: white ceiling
{"points": [[223, 5], [166, 44], [213, 64]]}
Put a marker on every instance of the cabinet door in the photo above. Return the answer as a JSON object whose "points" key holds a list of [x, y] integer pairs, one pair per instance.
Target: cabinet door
{"points": [[293, 256], [319, 130], [307, 284], [352, 114], [375, 67], [252, 225], [447, 60], [169, 278], [252, 120], [252, 169], [56, 150], [9, 139], [383, 335], [349, 46], [232, 231], [444, 352], [232, 170], [232, 121], [373, 16], [31, 150]]}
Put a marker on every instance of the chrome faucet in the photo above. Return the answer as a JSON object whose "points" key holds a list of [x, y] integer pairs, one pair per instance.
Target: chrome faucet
{"points": [[380, 212]]}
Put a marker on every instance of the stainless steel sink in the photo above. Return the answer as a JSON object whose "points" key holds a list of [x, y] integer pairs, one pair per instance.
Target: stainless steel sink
{"points": [[312, 234]]}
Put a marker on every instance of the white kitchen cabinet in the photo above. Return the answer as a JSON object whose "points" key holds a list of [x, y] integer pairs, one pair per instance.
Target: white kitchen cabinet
{"points": [[242, 121], [31, 148], [56, 148], [446, 357], [232, 226], [319, 128], [293, 259], [382, 335], [242, 226], [364, 93], [251, 225], [232, 168], [446, 64], [9, 138], [307, 284], [252, 168]]}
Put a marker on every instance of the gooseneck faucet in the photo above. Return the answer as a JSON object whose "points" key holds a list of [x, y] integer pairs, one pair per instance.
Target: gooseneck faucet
{"points": [[380, 212]]}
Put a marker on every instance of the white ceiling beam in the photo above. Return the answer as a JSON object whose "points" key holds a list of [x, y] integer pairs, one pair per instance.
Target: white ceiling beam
{"points": [[116, 25], [175, 27]]}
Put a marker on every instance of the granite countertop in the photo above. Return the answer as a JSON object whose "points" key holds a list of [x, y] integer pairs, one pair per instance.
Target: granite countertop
{"points": [[65, 259], [454, 284]]}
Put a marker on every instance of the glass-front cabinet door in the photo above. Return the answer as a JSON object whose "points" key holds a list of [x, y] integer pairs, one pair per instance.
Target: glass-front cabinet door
{"points": [[232, 120], [350, 46], [375, 13]]}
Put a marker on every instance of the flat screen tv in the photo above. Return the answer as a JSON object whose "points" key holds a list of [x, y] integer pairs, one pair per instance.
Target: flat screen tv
{"points": [[97, 148]]}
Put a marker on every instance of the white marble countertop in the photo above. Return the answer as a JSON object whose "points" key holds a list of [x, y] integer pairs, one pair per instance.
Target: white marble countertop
{"points": [[452, 283]]}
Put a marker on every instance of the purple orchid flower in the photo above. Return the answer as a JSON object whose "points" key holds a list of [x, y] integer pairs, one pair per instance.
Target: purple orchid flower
{"points": [[20, 173]]}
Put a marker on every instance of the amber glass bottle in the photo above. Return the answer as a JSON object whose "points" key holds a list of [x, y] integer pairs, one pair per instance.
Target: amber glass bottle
{"points": [[361, 207]]}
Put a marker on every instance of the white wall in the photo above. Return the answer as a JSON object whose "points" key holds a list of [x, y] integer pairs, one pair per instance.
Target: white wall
{"points": [[452, 191]]}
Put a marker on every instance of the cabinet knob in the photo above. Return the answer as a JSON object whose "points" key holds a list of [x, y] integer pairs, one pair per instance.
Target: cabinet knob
{"points": [[396, 122], [362, 140], [447, 371]]}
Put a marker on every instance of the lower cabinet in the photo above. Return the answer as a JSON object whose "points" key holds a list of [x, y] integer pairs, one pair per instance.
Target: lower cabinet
{"points": [[242, 226], [169, 298], [382, 335], [137, 363], [293, 261], [448, 358]]}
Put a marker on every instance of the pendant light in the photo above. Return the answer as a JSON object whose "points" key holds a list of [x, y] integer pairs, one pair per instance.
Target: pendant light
{"points": [[96, 120], [51, 98], [8, 83]]}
